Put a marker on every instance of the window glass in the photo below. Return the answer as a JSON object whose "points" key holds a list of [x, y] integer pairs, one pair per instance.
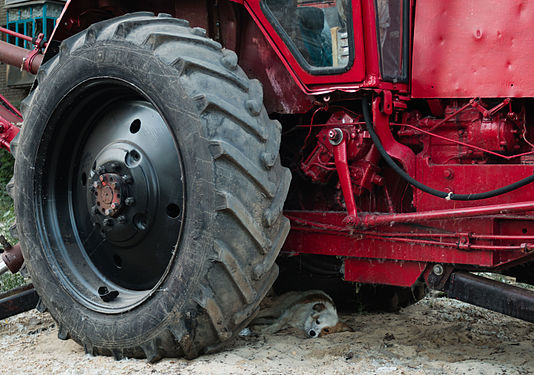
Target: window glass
{"points": [[317, 29], [389, 23], [50, 23], [20, 30], [29, 31]]}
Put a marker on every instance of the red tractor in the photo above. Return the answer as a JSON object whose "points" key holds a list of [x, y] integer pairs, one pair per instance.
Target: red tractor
{"points": [[150, 195]]}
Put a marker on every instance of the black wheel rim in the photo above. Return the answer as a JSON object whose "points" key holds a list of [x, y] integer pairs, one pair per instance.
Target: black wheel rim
{"points": [[110, 196]]}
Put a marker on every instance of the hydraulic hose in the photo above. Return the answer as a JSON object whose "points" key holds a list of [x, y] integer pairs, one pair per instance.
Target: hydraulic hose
{"points": [[427, 189]]}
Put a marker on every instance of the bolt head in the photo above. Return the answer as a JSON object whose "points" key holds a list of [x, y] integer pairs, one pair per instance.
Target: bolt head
{"points": [[108, 222], [122, 219], [127, 179], [94, 210], [130, 201], [438, 269], [115, 167], [101, 170]]}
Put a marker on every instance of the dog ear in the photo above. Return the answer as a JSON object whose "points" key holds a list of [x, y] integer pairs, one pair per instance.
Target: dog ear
{"points": [[341, 327], [319, 307]]}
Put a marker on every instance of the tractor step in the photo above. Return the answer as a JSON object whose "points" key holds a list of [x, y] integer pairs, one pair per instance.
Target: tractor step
{"points": [[492, 295]]}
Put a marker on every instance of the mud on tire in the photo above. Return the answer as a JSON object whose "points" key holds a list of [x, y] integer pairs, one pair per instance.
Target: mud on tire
{"points": [[191, 270]]}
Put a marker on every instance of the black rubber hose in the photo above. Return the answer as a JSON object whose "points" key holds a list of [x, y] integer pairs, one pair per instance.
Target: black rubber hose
{"points": [[427, 189]]}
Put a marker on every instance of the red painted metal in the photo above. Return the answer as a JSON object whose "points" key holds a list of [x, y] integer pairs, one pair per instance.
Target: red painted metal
{"points": [[308, 83], [396, 150], [479, 48], [372, 220], [383, 272], [18, 35], [338, 140], [324, 233]]}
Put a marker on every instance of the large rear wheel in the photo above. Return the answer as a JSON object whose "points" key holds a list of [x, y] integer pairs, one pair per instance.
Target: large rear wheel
{"points": [[149, 190]]}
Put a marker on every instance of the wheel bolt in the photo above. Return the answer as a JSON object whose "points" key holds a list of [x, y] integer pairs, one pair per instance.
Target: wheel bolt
{"points": [[94, 210], [101, 170], [115, 167], [108, 212], [96, 184], [108, 222], [127, 179], [130, 201], [122, 219]]}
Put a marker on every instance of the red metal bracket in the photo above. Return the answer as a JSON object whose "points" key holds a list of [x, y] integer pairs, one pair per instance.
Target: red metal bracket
{"points": [[337, 139]]}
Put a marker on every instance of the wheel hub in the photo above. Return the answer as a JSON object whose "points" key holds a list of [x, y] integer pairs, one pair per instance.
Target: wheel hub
{"points": [[109, 190]]}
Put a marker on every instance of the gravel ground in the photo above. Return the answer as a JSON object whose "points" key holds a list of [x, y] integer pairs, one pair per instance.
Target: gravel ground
{"points": [[434, 336]]}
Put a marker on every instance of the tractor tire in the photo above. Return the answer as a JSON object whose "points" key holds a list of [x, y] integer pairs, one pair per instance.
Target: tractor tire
{"points": [[149, 190]]}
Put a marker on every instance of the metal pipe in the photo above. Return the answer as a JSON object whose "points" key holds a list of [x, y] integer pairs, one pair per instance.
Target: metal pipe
{"points": [[417, 217], [15, 34], [492, 295], [13, 258], [16, 56]]}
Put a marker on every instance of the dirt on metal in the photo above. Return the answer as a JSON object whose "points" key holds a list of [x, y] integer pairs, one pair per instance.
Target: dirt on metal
{"points": [[434, 336]]}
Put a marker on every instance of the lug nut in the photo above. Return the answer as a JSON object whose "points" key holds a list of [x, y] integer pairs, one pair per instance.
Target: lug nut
{"points": [[96, 184], [114, 205], [122, 219], [130, 201], [94, 210], [108, 222], [108, 212], [101, 170], [127, 179]]}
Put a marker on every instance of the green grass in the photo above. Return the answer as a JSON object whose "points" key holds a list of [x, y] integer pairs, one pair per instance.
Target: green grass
{"points": [[7, 217]]}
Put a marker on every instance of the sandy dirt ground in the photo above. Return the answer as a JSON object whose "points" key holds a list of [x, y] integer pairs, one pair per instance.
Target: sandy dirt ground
{"points": [[434, 336]]}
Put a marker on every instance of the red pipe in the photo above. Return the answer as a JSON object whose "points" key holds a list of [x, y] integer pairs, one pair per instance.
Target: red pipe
{"points": [[16, 56], [17, 35], [371, 220]]}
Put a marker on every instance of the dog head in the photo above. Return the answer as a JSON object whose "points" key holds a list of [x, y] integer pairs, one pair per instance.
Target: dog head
{"points": [[323, 320]]}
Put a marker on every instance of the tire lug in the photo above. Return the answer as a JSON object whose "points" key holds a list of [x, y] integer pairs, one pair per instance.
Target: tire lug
{"points": [[109, 222], [122, 219], [130, 201], [127, 179]]}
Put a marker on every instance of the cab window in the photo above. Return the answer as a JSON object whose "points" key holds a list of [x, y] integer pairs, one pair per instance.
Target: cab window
{"points": [[316, 31]]}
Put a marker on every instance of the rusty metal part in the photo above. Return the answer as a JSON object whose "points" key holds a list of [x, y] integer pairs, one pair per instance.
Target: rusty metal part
{"points": [[17, 56], [17, 301], [109, 193], [492, 295], [13, 258]]}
